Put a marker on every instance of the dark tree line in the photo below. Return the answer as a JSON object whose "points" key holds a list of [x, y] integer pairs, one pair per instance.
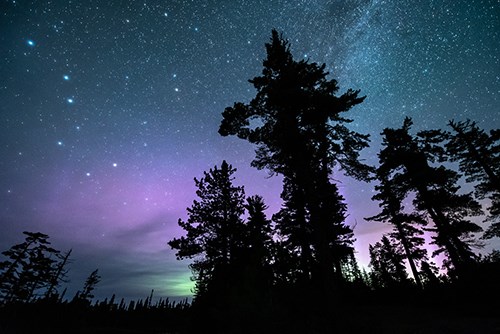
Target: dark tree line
{"points": [[300, 126], [417, 166], [31, 301], [33, 271]]}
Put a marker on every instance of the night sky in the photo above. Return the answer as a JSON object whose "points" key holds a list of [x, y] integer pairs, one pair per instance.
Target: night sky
{"points": [[109, 109]]}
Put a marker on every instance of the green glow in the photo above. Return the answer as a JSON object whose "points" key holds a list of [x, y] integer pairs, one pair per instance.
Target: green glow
{"points": [[171, 285], [181, 285]]}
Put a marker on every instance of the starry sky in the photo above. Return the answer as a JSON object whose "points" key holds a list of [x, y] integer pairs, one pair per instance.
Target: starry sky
{"points": [[109, 109]]}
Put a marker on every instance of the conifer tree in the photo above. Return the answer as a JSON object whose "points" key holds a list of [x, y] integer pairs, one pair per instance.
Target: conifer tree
{"points": [[352, 272], [253, 275], [435, 188], [215, 232], [296, 120], [429, 274], [30, 267], [295, 254], [59, 274], [258, 230], [386, 261], [407, 226], [91, 282], [478, 154]]}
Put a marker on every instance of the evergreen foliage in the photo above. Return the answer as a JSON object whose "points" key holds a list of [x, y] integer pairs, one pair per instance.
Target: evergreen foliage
{"points": [[89, 286], [412, 160], [30, 267], [386, 261], [478, 154], [297, 122], [215, 229], [407, 227]]}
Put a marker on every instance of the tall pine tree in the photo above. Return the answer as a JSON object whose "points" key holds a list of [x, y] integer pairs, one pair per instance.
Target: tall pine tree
{"points": [[478, 154], [436, 190], [296, 120], [407, 226]]}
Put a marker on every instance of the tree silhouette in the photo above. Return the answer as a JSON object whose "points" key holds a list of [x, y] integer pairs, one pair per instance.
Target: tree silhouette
{"points": [[296, 122], [407, 226], [59, 274], [294, 256], [89, 286], [252, 275], [386, 261], [30, 266], [429, 274], [259, 231], [215, 231], [351, 270], [435, 188], [478, 154]]}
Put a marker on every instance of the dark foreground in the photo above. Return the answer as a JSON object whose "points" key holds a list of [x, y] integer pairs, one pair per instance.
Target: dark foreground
{"points": [[424, 315]]}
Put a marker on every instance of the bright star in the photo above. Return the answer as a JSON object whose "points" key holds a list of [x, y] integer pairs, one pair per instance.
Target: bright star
{"points": [[115, 164], [59, 143], [66, 77], [30, 42], [70, 100], [176, 89], [88, 174]]}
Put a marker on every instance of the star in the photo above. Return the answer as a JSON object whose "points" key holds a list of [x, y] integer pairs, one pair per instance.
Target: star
{"points": [[66, 77], [31, 42], [70, 100], [115, 164]]}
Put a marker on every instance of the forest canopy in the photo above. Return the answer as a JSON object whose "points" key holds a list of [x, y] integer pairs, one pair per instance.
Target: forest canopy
{"points": [[300, 126]]}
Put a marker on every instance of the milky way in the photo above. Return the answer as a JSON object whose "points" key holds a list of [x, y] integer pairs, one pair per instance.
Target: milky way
{"points": [[110, 108]]}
